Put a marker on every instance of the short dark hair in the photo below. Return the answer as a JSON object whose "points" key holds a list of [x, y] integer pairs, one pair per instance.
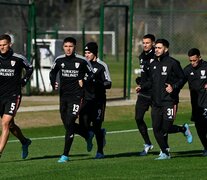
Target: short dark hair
{"points": [[5, 37], [194, 51], [69, 39], [163, 41], [149, 36]]}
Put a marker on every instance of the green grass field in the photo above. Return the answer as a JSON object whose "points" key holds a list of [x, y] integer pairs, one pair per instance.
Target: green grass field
{"points": [[121, 153], [123, 144]]}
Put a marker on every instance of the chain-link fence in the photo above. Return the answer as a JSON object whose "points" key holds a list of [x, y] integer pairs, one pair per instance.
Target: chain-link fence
{"points": [[183, 27], [14, 21]]}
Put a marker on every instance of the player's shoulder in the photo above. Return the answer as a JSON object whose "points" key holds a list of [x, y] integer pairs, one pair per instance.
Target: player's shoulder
{"points": [[79, 56], [204, 63], [60, 57], [102, 63], [19, 56]]}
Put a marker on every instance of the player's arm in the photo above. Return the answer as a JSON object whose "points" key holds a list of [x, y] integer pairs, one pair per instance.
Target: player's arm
{"points": [[28, 71], [180, 74], [53, 74]]}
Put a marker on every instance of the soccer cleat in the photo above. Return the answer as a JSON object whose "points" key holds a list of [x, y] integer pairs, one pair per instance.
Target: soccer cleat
{"points": [[104, 136], [188, 134], [163, 156], [99, 156], [90, 141], [204, 152], [25, 147], [63, 159], [147, 148], [168, 150]]}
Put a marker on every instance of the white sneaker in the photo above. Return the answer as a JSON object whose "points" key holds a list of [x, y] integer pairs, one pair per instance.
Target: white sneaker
{"points": [[168, 150], [147, 148], [163, 156]]}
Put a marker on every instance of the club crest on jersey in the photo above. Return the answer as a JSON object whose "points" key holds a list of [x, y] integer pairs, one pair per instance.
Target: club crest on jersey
{"points": [[164, 69], [95, 69], [62, 65], [203, 74], [77, 65], [151, 60], [13, 63]]}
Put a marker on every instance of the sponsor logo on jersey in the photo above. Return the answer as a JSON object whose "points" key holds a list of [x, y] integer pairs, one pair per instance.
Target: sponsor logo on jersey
{"points": [[7, 72], [62, 65]]}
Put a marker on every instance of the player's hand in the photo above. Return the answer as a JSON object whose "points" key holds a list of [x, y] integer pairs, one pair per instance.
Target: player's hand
{"points": [[168, 88], [56, 86], [138, 88], [23, 82]]}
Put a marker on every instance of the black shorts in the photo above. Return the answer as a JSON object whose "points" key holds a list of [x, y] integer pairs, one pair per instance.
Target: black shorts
{"points": [[10, 105], [70, 105], [166, 113], [199, 113], [93, 110], [163, 117]]}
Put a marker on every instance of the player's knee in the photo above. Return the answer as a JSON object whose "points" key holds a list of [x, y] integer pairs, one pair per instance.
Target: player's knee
{"points": [[69, 122]]}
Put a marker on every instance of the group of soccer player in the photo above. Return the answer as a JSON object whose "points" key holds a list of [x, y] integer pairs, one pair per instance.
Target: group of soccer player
{"points": [[81, 83], [158, 87]]}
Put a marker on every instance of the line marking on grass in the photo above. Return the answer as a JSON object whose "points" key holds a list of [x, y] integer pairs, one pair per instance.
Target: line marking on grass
{"points": [[110, 132]]}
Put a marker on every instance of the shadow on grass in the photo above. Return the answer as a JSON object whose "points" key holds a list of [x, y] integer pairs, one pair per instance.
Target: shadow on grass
{"points": [[56, 156], [175, 154], [193, 153], [129, 154]]}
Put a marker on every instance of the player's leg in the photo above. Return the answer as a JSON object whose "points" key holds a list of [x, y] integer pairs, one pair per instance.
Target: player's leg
{"points": [[6, 119], [183, 129], [16, 131], [84, 126], [99, 108], [160, 128], [142, 105], [201, 131], [69, 109], [201, 127]]}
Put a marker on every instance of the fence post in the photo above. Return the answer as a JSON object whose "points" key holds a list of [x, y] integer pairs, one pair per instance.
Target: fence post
{"points": [[101, 31], [130, 47]]}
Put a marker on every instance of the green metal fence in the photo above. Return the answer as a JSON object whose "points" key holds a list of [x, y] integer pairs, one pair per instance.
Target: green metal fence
{"points": [[181, 23]]}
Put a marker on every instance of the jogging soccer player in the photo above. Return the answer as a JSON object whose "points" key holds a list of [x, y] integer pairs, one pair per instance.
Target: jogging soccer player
{"points": [[166, 81], [144, 95], [71, 74], [94, 103], [12, 66], [196, 76]]}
